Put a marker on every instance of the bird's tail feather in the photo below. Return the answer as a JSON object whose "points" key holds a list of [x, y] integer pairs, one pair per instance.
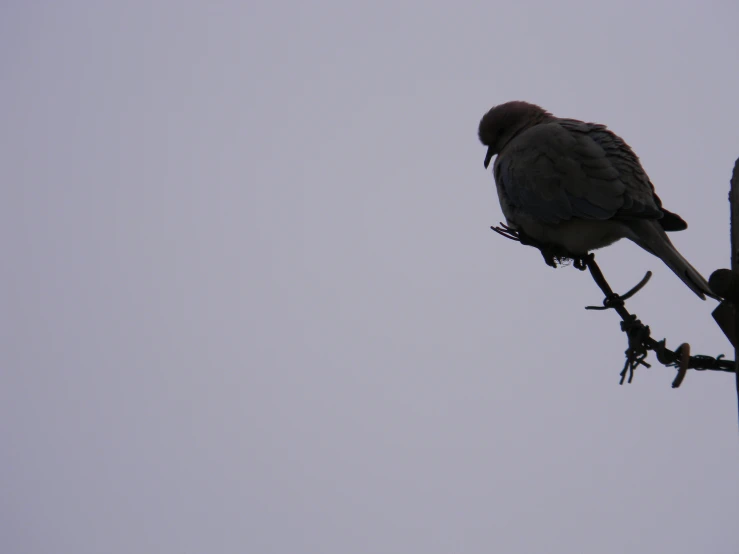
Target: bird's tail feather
{"points": [[652, 238]]}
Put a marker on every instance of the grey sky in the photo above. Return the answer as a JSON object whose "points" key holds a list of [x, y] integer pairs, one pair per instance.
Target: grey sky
{"points": [[252, 303]]}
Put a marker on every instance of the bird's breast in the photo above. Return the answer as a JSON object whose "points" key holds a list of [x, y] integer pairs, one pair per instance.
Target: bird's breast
{"points": [[576, 236]]}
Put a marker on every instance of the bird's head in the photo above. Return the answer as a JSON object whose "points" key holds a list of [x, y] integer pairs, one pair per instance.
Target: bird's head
{"points": [[505, 121]]}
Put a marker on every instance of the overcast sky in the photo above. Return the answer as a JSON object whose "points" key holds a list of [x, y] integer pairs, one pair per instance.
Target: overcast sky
{"points": [[251, 302]]}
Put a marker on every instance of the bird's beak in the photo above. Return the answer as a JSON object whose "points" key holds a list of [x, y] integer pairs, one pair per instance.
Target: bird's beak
{"points": [[488, 157]]}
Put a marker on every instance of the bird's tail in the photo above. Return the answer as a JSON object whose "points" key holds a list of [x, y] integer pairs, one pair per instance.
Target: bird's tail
{"points": [[652, 238]]}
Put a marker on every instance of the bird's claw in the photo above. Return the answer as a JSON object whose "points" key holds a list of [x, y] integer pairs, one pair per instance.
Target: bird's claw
{"points": [[553, 257]]}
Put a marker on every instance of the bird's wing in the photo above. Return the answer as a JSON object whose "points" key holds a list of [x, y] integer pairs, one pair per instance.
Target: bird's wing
{"points": [[557, 171], [638, 186]]}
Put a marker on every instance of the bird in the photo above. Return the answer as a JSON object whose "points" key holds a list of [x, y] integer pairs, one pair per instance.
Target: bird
{"points": [[571, 187]]}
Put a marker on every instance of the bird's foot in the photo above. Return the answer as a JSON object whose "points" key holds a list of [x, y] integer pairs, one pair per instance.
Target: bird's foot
{"points": [[581, 262], [557, 257], [554, 256], [508, 232]]}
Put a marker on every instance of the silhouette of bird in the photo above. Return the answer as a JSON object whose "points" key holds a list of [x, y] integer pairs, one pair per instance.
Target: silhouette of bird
{"points": [[573, 187]]}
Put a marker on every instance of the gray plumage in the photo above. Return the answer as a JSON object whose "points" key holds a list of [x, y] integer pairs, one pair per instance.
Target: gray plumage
{"points": [[576, 186]]}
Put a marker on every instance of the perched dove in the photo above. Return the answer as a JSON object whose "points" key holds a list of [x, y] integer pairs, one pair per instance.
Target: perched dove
{"points": [[574, 187]]}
